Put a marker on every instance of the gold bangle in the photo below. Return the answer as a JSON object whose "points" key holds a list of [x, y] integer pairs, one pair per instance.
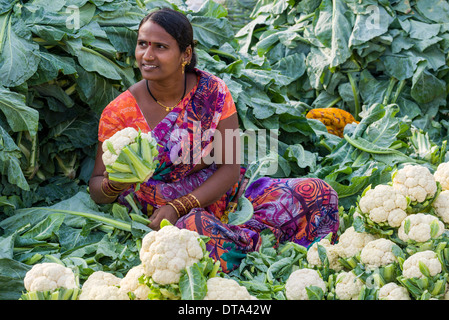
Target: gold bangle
{"points": [[185, 211], [196, 199], [191, 202], [107, 195], [174, 207]]}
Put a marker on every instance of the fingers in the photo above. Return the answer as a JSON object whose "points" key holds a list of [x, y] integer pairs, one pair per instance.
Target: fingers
{"points": [[164, 212], [155, 221], [115, 184]]}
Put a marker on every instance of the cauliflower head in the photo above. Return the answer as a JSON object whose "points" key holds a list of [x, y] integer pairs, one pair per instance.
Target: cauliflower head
{"points": [[299, 280], [420, 227], [226, 289], [384, 204], [442, 175], [165, 253], [118, 140], [411, 267], [352, 242], [348, 286], [393, 291], [102, 286], [415, 182], [331, 251], [378, 253], [49, 276], [441, 206], [130, 284]]}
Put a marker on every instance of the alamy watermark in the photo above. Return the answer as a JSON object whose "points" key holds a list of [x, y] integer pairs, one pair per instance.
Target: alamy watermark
{"points": [[234, 146], [73, 20]]}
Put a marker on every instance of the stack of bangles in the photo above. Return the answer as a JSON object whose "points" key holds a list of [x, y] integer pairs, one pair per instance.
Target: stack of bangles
{"points": [[184, 204], [109, 190]]}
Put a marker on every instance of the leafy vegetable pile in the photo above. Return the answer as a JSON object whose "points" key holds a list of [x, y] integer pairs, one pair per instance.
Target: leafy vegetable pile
{"points": [[63, 61]]}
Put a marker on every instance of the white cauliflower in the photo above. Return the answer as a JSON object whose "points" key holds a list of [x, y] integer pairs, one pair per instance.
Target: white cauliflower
{"points": [[165, 253], [118, 140], [49, 276], [384, 204], [393, 291], [348, 286], [429, 258], [299, 280], [420, 227], [442, 175], [331, 252], [226, 289], [130, 283], [441, 206], [378, 253], [415, 182], [352, 242], [102, 286], [129, 156]]}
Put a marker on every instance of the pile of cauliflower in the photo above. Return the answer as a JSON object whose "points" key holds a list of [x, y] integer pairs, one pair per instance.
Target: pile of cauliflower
{"points": [[396, 249], [164, 255]]}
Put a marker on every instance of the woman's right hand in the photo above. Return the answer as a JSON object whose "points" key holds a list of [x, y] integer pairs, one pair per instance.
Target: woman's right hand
{"points": [[115, 184], [164, 212]]}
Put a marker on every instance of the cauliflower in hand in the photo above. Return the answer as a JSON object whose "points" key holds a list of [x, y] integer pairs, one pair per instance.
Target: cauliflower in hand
{"points": [[442, 175], [102, 286], [348, 286], [165, 253], [393, 291], [129, 156], [415, 182], [50, 280], [226, 289], [299, 280], [420, 227], [384, 205]]}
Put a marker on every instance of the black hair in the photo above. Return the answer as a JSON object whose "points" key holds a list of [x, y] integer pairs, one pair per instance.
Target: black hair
{"points": [[178, 26]]}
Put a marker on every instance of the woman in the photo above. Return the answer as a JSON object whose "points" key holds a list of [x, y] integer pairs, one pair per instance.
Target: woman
{"points": [[179, 103]]}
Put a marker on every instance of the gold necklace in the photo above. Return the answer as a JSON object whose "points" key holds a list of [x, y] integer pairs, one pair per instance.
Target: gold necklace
{"points": [[161, 104]]}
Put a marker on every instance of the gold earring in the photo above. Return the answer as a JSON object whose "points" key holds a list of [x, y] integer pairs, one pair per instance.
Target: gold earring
{"points": [[183, 66]]}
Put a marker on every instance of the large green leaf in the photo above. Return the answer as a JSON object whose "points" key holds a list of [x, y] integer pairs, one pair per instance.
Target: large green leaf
{"points": [[94, 61], [211, 32], [12, 273], [49, 67], [19, 116], [428, 9], [341, 32], [19, 58], [192, 283], [94, 90]]}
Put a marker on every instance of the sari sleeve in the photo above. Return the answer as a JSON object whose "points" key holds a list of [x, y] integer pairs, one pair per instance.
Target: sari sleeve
{"points": [[229, 106], [120, 113], [110, 122]]}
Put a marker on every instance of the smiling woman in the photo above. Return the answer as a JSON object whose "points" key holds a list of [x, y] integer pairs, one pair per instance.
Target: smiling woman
{"points": [[177, 103]]}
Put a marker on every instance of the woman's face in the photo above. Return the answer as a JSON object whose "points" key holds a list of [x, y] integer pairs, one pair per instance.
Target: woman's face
{"points": [[158, 54]]}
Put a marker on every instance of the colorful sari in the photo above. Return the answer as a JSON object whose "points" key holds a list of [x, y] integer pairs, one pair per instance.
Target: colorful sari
{"points": [[300, 210]]}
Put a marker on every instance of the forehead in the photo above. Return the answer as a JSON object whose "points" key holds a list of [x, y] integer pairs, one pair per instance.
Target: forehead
{"points": [[153, 32]]}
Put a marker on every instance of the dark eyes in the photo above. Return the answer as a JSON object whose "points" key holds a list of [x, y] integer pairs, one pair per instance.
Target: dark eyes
{"points": [[156, 45]]}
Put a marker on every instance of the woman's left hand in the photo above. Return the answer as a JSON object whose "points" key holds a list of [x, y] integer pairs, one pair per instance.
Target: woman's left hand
{"points": [[164, 212]]}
